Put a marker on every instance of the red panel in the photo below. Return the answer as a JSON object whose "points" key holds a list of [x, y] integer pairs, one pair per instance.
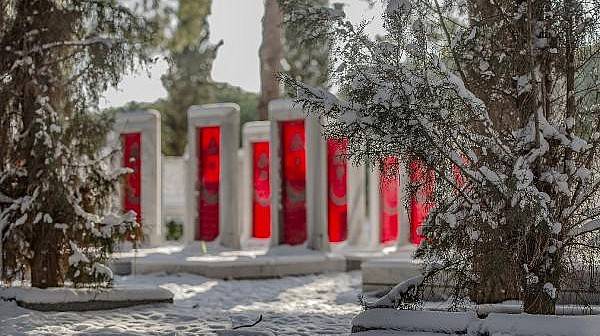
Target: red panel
{"points": [[209, 173], [293, 177], [422, 200], [337, 176], [389, 185], [132, 158], [261, 200]]}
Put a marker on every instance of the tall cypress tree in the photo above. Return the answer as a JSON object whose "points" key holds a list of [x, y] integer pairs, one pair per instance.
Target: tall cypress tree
{"points": [[188, 79], [57, 222], [285, 49]]}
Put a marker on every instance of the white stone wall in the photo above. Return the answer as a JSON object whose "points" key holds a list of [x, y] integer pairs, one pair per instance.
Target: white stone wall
{"points": [[173, 191], [316, 184], [227, 117], [148, 124], [316, 201]]}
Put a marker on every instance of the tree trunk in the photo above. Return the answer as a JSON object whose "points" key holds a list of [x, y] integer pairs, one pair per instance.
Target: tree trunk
{"points": [[497, 282], [545, 266], [45, 265], [537, 302], [46, 268], [271, 53]]}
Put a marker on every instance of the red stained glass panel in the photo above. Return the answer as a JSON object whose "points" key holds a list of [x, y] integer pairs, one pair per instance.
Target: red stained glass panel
{"points": [[389, 184], [261, 200], [209, 173], [337, 176], [132, 158], [293, 171]]}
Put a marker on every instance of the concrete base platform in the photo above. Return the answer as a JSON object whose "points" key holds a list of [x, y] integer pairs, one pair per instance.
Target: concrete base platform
{"points": [[382, 269], [216, 262], [381, 274], [355, 259], [82, 299]]}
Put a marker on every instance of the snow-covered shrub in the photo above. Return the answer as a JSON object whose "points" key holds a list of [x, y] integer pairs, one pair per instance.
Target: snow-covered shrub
{"points": [[402, 296], [496, 98], [57, 220]]}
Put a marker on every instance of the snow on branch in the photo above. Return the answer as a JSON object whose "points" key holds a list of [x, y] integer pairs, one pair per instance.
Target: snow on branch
{"points": [[107, 42], [398, 294], [588, 227]]}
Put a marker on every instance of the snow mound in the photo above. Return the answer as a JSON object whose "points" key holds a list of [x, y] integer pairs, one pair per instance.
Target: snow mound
{"points": [[65, 299], [245, 332], [537, 325], [388, 300], [382, 321], [414, 321], [300, 306]]}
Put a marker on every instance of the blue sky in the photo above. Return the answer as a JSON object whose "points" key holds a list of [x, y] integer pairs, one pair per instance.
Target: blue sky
{"points": [[238, 24]]}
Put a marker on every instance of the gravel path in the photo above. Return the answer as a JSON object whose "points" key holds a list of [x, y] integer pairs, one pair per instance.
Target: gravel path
{"points": [[306, 305]]}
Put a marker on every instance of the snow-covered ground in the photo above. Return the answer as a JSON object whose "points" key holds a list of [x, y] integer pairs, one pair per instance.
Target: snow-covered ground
{"points": [[306, 305]]}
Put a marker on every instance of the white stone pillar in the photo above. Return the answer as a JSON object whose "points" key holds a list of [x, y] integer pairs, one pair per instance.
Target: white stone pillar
{"points": [[316, 170], [147, 125], [317, 193], [404, 204], [281, 111], [374, 208], [357, 212], [241, 192], [253, 133], [225, 117], [355, 197]]}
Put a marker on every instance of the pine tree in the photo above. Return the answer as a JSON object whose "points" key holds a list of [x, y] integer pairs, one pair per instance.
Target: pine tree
{"points": [[500, 112], [57, 221]]}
